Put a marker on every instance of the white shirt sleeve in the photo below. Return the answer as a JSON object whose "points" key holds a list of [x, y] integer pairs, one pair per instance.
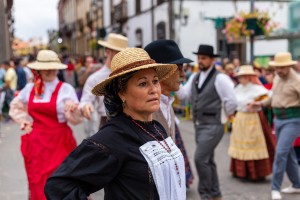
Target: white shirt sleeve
{"points": [[225, 89], [25, 93], [88, 96], [185, 91], [66, 92]]}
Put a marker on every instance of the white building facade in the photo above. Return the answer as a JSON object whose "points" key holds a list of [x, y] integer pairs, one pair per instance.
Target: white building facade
{"points": [[189, 23]]}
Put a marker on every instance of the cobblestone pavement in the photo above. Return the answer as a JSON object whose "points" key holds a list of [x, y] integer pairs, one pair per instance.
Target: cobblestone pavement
{"points": [[13, 184]]}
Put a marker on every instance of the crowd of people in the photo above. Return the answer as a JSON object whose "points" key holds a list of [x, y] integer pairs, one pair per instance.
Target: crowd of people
{"points": [[133, 147]]}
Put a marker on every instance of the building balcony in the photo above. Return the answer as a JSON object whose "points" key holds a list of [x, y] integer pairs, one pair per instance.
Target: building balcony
{"points": [[120, 14]]}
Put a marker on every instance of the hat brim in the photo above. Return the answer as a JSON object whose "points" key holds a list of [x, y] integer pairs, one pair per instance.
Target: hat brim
{"points": [[181, 61], [214, 55], [110, 46], [46, 65], [283, 64], [163, 72]]}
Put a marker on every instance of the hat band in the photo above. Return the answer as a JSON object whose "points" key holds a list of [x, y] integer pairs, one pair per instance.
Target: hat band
{"points": [[131, 66]]}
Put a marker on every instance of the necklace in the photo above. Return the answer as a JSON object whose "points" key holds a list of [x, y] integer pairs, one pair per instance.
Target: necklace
{"points": [[166, 146]]}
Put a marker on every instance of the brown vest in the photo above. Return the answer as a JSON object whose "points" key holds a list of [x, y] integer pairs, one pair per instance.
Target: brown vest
{"points": [[159, 116]]}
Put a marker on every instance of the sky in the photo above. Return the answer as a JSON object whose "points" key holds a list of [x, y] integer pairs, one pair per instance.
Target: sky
{"points": [[34, 17]]}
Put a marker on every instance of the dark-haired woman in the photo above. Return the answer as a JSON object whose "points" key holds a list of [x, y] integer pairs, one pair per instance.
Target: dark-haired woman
{"points": [[131, 157]]}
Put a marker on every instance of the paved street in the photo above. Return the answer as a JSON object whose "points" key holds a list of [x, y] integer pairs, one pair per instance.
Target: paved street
{"points": [[13, 184]]}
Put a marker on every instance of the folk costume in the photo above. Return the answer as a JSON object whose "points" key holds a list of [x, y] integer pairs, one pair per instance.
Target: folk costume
{"points": [[286, 107], [129, 158], [167, 51], [252, 145], [51, 139], [211, 93]]}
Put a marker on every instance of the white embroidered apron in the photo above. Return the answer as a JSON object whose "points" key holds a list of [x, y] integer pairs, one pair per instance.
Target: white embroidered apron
{"points": [[169, 181]]}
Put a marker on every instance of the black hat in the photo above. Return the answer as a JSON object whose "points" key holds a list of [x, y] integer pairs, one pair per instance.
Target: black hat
{"points": [[166, 51], [206, 50]]}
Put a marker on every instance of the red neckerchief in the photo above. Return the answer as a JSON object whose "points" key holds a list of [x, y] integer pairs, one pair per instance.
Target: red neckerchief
{"points": [[39, 87]]}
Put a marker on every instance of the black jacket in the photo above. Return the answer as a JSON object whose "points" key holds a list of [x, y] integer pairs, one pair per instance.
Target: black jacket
{"points": [[111, 160]]}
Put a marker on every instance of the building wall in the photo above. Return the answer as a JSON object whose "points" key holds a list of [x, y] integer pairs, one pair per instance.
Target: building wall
{"points": [[79, 17], [68, 18], [106, 13], [69, 11], [197, 30], [5, 35], [142, 20], [139, 23], [82, 46], [202, 31]]}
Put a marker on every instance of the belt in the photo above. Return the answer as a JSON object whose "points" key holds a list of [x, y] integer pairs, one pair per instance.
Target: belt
{"points": [[287, 113]]}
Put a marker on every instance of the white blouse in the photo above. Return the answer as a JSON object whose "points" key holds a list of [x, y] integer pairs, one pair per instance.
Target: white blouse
{"points": [[248, 93], [66, 93]]}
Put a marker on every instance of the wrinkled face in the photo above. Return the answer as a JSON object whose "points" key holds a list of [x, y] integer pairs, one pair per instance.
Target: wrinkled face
{"points": [[244, 80], [205, 62], [282, 71], [48, 75], [172, 83], [142, 94]]}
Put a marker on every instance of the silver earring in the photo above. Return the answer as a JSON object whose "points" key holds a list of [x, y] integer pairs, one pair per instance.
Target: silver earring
{"points": [[123, 103]]}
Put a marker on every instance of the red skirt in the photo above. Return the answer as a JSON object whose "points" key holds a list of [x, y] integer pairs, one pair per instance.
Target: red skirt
{"points": [[256, 169], [43, 151]]}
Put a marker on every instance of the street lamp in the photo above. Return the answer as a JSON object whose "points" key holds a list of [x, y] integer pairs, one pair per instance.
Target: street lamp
{"points": [[59, 40], [182, 15]]}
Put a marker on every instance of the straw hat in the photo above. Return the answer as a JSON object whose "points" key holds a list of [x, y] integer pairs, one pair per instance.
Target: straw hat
{"points": [[47, 60], [115, 42], [245, 70], [282, 59], [133, 59]]}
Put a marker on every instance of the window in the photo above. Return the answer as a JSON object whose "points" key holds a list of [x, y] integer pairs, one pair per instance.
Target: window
{"points": [[160, 1], [137, 6], [139, 38], [161, 30], [294, 16]]}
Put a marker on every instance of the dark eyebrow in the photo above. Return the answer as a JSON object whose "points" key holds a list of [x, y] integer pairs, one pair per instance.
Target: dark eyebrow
{"points": [[155, 76], [142, 78]]}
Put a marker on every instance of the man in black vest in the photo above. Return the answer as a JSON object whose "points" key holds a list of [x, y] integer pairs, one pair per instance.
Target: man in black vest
{"points": [[212, 93]]}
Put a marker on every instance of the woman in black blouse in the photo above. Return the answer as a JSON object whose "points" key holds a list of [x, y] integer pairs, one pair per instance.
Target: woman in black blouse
{"points": [[131, 156]]}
